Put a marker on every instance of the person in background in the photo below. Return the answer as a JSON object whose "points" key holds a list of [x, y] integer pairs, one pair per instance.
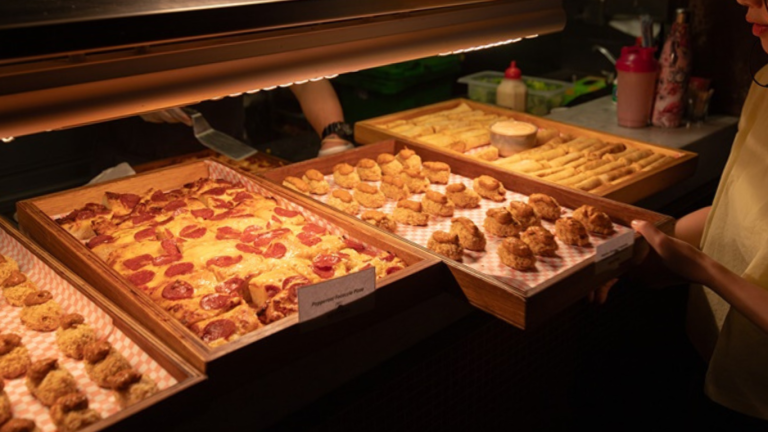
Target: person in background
{"points": [[725, 248], [168, 133]]}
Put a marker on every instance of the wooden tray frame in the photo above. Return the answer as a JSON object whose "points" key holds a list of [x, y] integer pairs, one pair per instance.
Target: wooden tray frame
{"points": [[286, 338], [185, 375], [482, 290], [631, 190], [203, 154]]}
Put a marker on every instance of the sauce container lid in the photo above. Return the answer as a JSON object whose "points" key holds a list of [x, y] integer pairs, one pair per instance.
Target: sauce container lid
{"points": [[637, 59]]}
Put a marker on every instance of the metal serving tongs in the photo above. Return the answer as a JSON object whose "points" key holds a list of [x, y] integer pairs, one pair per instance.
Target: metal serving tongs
{"points": [[217, 140]]}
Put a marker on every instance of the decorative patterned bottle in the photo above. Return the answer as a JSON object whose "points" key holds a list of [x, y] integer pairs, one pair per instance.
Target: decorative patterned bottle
{"points": [[675, 63]]}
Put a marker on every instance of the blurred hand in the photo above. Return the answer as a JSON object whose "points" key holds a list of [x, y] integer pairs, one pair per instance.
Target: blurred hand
{"points": [[677, 255], [600, 294], [170, 115], [333, 144]]}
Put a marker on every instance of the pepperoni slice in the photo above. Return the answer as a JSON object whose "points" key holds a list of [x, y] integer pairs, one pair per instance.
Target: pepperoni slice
{"points": [[137, 262], [238, 213], [266, 238], [365, 267], [220, 203], [165, 259], [275, 250], [174, 205], [354, 244], [215, 301], [158, 196], [178, 290], [217, 191], [145, 234], [370, 253], [129, 200], [140, 219], [179, 269], [285, 212], [242, 247], [325, 261], [250, 233], [84, 214], [170, 247], [218, 329], [324, 273], [308, 239], [203, 213], [99, 240], [295, 281], [393, 269], [276, 219], [242, 196], [224, 261], [313, 228], [141, 277], [342, 255], [192, 232], [166, 221], [233, 286], [224, 233], [388, 257], [221, 216], [271, 290]]}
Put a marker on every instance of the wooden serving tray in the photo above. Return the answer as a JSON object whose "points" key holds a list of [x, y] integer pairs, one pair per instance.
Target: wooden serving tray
{"points": [[521, 308], [632, 189], [255, 164], [278, 342], [58, 278]]}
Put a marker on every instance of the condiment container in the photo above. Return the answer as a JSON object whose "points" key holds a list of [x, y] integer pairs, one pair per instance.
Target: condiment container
{"points": [[512, 91], [637, 72], [511, 136]]}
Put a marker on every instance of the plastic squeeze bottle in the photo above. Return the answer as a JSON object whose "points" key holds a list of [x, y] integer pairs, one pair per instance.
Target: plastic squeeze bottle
{"points": [[637, 70], [512, 92]]}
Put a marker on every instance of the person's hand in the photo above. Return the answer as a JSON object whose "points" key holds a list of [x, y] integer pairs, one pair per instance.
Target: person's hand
{"points": [[170, 115], [677, 255], [600, 294], [333, 144]]}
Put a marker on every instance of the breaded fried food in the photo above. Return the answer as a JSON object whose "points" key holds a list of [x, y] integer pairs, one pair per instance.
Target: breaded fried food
{"points": [[131, 387], [446, 244], [545, 206], [14, 357], [409, 213], [102, 361], [470, 236], [571, 232], [524, 214], [437, 204], [73, 335], [499, 222], [5, 404], [345, 175], [16, 287], [296, 184], [70, 413], [40, 312], [489, 188], [47, 381], [7, 265], [437, 172], [381, 220], [409, 159], [389, 165], [514, 253], [540, 240], [343, 201], [19, 425], [368, 195], [393, 187], [415, 180], [594, 220], [368, 170], [461, 196], [316, 182]]}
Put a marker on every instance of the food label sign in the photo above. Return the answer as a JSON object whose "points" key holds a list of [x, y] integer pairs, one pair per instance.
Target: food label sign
{"points": [[324, 297]]}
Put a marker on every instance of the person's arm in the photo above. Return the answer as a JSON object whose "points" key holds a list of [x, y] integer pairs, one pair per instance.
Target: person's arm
{"points": [[750, 299], [690, 227], [319, 103]]}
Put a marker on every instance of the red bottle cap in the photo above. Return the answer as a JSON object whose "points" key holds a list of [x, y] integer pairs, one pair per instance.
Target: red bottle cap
{"points": [[513, 72], [637, 59]]}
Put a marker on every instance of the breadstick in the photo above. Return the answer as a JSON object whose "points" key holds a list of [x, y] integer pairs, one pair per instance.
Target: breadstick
{"points": [[636, 156], [616, 156], [658, 163], [568, 172], [546, 135], [613, 148], [525, 166], [570, 181], [524, 154], [595, 147], [605, 168], [616, 174], [589, 184], [642, 163], [566, 159], [593, 165], [578, 162], [579, 144], [547, 171], [554, 142], [549, 154]]}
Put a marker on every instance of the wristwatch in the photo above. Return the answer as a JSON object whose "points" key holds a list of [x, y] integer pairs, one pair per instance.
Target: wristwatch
{"points": [[341, 129]]}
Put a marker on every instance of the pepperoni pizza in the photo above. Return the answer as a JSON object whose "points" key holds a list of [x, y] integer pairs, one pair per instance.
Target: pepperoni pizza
{"points": [[222, 260]]}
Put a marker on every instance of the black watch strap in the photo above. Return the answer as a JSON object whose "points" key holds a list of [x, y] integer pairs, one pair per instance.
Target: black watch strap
{"points": [[341, 129]]}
